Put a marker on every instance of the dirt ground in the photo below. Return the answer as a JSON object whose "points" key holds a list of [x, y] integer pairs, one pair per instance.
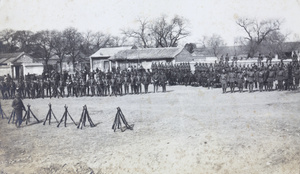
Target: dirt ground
{"points": [[186, 130]]}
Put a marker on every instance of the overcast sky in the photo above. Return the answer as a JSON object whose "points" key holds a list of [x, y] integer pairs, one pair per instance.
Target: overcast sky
{"points": [[205, 16]]}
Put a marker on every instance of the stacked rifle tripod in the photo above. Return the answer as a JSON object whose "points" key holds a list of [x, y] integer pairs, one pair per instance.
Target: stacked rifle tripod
{"points": [[118, 124]]}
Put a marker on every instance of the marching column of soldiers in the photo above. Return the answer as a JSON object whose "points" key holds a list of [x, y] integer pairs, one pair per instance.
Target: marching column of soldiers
{"points": [[238, 78]]}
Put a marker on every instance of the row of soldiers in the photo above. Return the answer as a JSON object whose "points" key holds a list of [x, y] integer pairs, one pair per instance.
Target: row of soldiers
{"points": [[262, 77], [82, 84], [97, 83]]}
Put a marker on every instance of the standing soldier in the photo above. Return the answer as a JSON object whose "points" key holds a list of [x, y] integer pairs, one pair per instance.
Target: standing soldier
{"points": [[223, 80], [271, 78], [146, 81], [297, 77], [119, 84], [138, 84], [34, 87], [61, 88], [240, 80], [42, 86], [18, 106], [76, 86], [92, 85], [113, 86], [126, 84], [13, 88], [99, 84], [261, 79], [232, 79], [132, 83], [82, 87], [54, 89], [48, 88], [69, 84], [155, 82], [163, 81], [250, 78], [106, 87], [280, 77]]}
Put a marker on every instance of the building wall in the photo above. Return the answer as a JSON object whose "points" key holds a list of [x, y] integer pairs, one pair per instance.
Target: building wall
{"points": [[25, 59], [5, 69], [183, 56], [33, 68], [101, 64], [67, 67]]}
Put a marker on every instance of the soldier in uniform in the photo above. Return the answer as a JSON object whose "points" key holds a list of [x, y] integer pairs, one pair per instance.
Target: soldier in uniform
{"points": [[138, 84], [113, 86], [132, 83], [34, 87], [18, 106], [250, 78], [126, 84], [163, 81], [155, 81], [61, 88], [82, 87], [69, 85], [48, 88], [106, 86], [280, 77], [119, 83], [297, 77], [261, 79], [224, 80], [240, 80], [99, 84], [42, 86], [13, 88], [232, 79], [271, 78], [92, 85], [76, 86], [146, 80]]}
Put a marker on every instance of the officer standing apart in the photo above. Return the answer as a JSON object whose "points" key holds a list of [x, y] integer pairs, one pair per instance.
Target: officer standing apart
{"points": [[18, 106]]}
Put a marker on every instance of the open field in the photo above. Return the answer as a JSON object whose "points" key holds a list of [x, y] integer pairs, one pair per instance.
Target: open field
{"points": [[186, 130]]}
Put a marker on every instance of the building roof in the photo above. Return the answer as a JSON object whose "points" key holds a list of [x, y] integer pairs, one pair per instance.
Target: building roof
{"points": [[108, 52], [147, 53], [10, 57]]}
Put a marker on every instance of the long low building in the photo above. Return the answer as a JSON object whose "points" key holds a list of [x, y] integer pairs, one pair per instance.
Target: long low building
{"points": [[125, 57]]}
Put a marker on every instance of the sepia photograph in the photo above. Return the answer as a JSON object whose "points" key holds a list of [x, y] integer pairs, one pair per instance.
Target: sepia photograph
{"points": [[149, 86]]}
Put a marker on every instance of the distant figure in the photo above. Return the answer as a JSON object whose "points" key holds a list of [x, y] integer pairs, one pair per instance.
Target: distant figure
{"points": [[18, 106]]}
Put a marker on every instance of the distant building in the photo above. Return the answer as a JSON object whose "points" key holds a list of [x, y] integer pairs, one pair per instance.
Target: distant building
{"points": [[100, 59], [19, 64], [145, 57]]}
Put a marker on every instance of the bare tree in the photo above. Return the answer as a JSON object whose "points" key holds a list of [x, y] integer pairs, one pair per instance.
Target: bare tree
{"points": [[60, 46], [8, 40], [168, 34], [275, 43], [25, 40], [74, 40], [142, 36], [213, 44], [116, 41], [43, 46], [257, 31], [100, 40]]}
